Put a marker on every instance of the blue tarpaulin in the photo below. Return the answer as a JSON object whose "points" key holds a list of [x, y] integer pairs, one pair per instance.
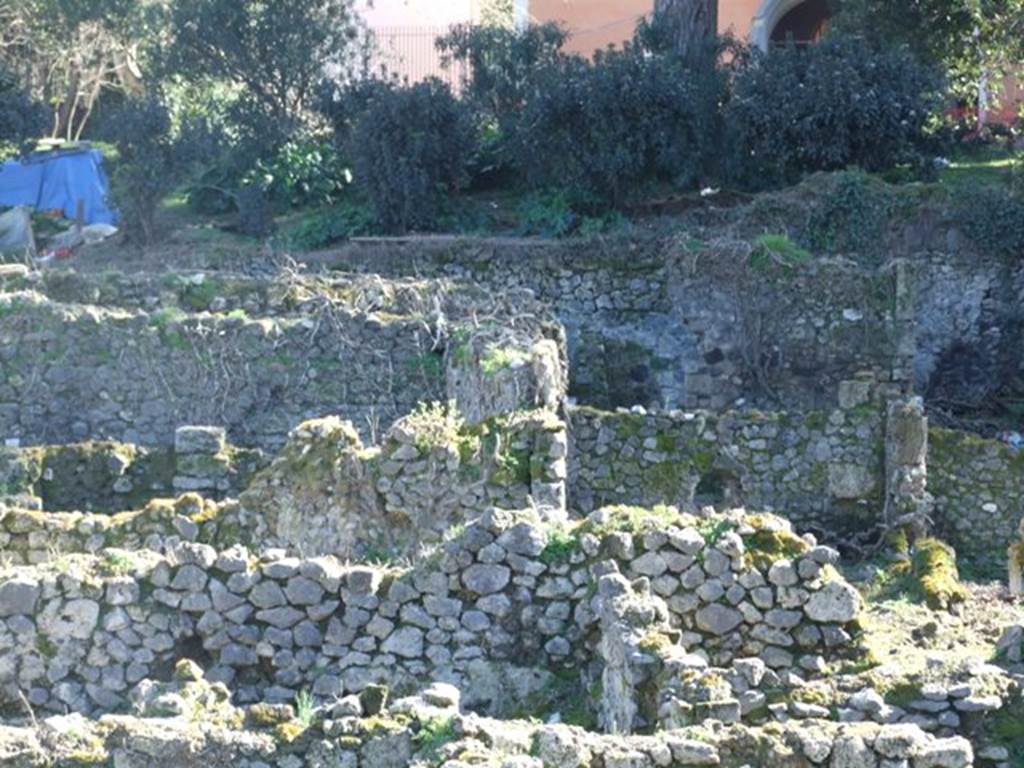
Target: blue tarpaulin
{"points": [[57, 181]]}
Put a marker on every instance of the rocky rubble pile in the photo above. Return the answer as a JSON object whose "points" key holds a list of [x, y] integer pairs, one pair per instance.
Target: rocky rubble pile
{"points": [[188, 723]]}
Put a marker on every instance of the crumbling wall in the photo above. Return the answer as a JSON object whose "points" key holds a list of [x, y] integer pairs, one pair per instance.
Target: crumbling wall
{"points": [[825, 468], [650, 322], [222, 737], [79, 632], [77, 372], [72, 372], [328, 494], [978, 488], [106, 476]]}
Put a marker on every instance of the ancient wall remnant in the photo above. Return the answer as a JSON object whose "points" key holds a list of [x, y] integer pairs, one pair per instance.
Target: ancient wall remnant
{"points": [[328, 494], [72, 372], [106, 476], [823, 467], [651, 324], [80, 632], [978, 487]]}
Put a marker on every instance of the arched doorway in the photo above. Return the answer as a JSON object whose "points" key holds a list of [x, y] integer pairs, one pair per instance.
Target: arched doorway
{"points": [[804, 24], [777, 21]]}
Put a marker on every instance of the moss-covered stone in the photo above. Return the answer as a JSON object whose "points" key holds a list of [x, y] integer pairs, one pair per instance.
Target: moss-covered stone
{"points": [[934, 568]]}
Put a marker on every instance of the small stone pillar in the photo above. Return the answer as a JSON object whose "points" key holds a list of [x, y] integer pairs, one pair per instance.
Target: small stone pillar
{"points": [[629, 616], [1015, 562], [908, 504], [549, 471], [201, 462]]}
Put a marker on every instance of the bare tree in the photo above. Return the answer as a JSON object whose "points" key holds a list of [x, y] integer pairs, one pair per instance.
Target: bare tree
{"points": [[69, 53], [692, 25]]}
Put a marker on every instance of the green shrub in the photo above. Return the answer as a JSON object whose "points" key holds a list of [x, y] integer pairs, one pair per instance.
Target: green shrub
{"points": [[499, 64], [302, 173], [851, 215], [993, 218], [777, 250], [826, 107], [153, 160], [560, 546], [332, 225], [547, 213], [271, 55], [433, 734], [604, 128], [409, 149]]}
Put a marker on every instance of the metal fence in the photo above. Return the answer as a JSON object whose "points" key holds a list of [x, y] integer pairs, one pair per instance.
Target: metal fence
{"points": [[412, 54]]}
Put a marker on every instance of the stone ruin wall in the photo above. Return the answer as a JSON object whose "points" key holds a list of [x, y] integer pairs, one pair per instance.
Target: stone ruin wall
{"points": [[73, 372], [731, 611], [646, 323], [651, 323], [107, 476], [824, 468], [81, 354], [978, 486], [79, 631]]}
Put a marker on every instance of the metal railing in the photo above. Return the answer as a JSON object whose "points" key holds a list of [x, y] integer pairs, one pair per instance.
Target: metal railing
{"points": [[411, 53]]}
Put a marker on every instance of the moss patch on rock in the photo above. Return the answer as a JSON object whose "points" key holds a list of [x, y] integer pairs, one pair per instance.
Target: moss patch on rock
{"points": [[934, 569]]}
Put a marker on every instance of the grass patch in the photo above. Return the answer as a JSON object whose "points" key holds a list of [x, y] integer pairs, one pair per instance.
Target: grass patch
{"points": [[497, 359], [305, 708], [627, 519], [561, 543], [1006, 729], [433, 735], [116, 563], [777, 250], [770, 542]]}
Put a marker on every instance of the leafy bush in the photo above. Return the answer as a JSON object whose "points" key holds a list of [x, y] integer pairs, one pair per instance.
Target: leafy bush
{"points": [[333, 225], [153, 159], [605, 127], [409, 149], [777, 250], [302, 173], [343, 105], [828, 106], [21, 118], [993, 218], [547, 213], [851, 215]]}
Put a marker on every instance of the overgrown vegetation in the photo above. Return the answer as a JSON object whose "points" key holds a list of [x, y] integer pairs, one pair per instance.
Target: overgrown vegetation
{"points": [[852, 216], [934, 568], [410, 149], [538, 141], [562, 542], [433, 735], [603, 129], [993, 217], [153, 159], [21, 118], [826, 107]]}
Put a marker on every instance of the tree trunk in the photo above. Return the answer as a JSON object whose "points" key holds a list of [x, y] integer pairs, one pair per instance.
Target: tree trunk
{"points": [[693, 24]]}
